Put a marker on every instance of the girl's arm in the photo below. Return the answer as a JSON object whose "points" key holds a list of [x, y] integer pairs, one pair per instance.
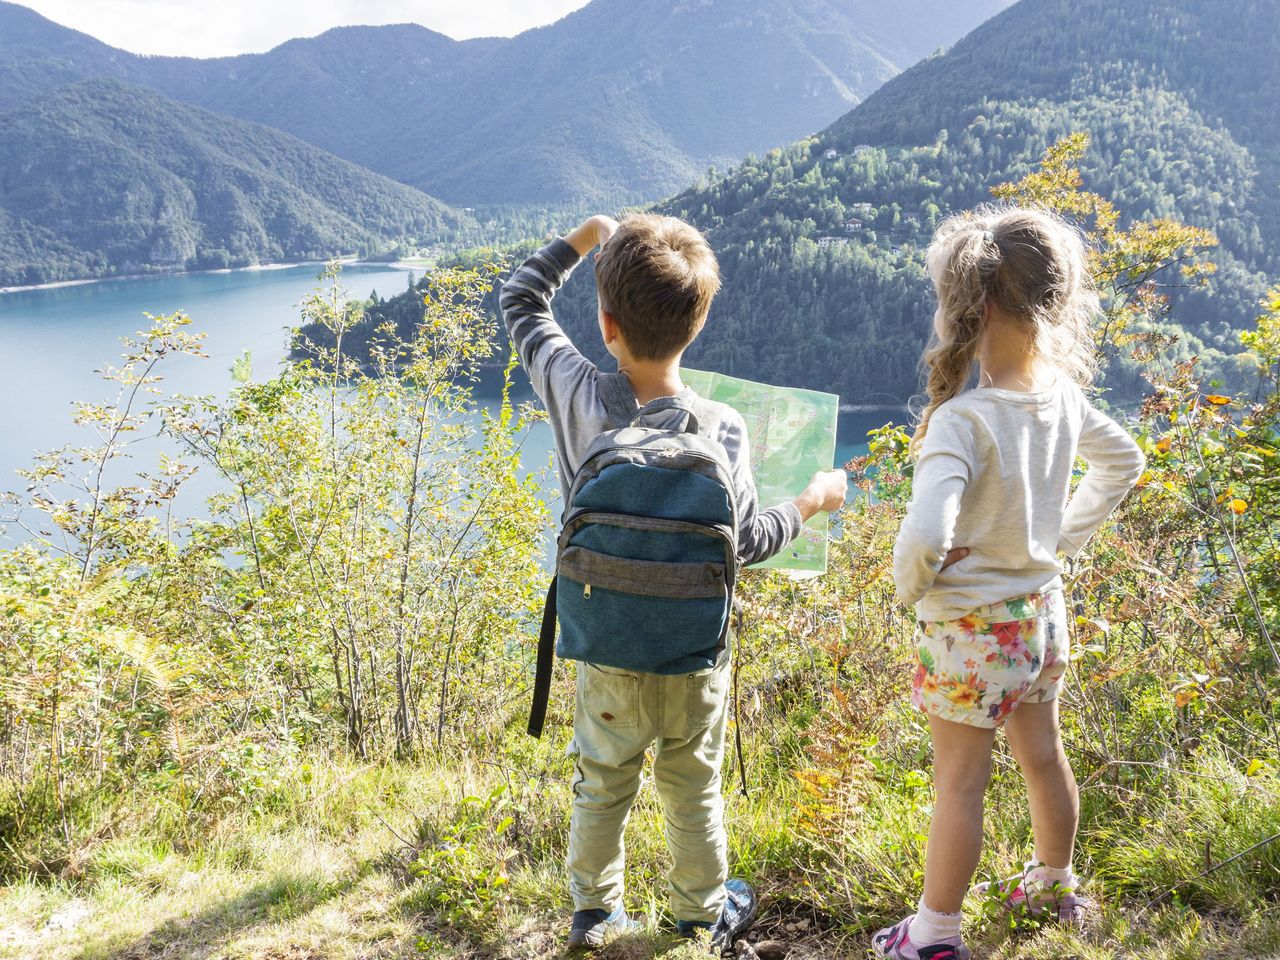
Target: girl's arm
{"points": [[941, 475], [1115, 464]]}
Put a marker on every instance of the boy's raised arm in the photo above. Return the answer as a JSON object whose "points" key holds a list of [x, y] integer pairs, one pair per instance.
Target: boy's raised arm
{"points": [[549, 357]]}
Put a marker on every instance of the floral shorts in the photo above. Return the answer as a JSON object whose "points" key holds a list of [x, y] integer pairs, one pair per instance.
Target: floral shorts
{"points": [[977, 669]]}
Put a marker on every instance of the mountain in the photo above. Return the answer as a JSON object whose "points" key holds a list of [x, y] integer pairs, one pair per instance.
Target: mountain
{"points": [[103, 177], [910, 30], [636, 99], [37, 55], [345, 91], [821, 244], [617, 100]]}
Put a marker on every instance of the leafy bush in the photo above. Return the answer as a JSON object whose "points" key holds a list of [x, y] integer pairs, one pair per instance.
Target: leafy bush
{"points": [[364, 578]]}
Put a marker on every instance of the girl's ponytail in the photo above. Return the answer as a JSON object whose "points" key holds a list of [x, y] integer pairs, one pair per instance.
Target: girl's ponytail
{"points": [[1028, 263]]}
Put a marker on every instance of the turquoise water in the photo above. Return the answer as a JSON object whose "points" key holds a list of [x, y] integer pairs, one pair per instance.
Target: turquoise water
{"points": [[54, 340]]}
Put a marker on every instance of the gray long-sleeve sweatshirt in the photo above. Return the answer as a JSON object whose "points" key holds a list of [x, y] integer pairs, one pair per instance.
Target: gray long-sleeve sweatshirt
{"points": [[994, 475], [567, 384]]}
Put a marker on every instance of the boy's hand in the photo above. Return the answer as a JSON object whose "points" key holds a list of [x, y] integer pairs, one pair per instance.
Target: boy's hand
{"points": [[591, 233], [826, 491]]}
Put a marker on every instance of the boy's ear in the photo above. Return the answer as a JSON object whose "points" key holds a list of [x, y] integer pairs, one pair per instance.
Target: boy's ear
{"points": [[609, 329]]}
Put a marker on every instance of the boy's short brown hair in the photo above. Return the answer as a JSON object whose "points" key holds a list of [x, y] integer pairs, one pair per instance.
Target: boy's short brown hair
{"points": [[656, 276]]}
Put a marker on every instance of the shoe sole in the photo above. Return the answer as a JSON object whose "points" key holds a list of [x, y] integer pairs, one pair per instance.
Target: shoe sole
{"points": [[743, 926], [584, 941], [589, 940]]}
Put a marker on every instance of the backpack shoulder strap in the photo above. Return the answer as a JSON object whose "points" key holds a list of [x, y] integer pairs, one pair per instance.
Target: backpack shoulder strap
{"points": [[619, 399], [709, 417], [621, 406], [545, 663]]}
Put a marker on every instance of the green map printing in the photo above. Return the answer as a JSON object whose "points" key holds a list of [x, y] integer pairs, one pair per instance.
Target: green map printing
{"points": [[793, 435]]}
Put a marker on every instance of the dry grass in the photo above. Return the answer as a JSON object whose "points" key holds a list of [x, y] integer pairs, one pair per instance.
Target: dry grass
{"points": [[324, 877]]}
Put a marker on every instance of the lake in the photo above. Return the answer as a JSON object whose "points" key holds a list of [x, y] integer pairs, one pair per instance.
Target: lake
{"points": [[53, 340]]}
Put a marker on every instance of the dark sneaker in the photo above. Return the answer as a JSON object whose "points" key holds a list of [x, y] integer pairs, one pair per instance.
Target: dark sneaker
{"points": [[592, 928], [735, 919]]}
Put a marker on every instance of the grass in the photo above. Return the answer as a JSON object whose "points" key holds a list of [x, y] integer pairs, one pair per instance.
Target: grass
{"points": [[462, 861]]}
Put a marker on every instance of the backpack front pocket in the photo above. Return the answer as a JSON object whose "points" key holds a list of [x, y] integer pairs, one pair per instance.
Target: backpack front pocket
{"points": [[646, 578], [649, 616]]}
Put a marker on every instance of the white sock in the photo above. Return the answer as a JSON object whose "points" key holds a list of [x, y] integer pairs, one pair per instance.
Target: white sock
{"points": [[1042, 877], [930, 926]]}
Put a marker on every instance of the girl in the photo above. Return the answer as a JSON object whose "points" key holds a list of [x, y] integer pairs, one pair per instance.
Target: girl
{"points": [[977, 551]]}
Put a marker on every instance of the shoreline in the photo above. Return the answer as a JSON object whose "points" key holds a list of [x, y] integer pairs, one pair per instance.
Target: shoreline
{"points": [[873, 408], [252, 268]]}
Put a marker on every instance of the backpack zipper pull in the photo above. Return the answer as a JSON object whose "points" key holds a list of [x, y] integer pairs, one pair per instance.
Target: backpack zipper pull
{"points": [[586, 592]]}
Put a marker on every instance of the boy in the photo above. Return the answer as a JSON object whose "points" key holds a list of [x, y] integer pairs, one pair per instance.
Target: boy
{"points": [[656, 277]]}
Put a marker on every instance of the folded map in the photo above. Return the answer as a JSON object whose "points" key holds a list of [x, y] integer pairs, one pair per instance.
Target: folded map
{"points": [[793, 435]]}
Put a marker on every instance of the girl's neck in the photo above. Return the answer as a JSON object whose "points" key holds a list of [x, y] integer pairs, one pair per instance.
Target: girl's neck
{"points": [[1007, 358]]}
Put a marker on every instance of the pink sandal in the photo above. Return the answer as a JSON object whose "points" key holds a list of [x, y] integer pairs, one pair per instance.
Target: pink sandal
{"points": [[895, 943], [1057, 903]]}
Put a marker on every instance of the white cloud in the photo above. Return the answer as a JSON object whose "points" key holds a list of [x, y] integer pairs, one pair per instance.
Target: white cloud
{"points": [[201, 29]]}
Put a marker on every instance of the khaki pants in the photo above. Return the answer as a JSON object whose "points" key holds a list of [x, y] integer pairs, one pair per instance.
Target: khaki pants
{"points": [[618, 716]]}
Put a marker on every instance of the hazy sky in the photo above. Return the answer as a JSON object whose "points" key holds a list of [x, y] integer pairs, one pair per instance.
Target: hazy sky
{"points": [[203, 29]]}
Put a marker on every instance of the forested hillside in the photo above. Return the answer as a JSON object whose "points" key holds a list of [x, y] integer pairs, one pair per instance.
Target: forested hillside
{"points": [[821, 243], [619, 99], [103, 178]]}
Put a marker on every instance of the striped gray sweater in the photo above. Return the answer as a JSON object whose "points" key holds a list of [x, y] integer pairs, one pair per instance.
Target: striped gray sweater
{"points": [[567, 384]]}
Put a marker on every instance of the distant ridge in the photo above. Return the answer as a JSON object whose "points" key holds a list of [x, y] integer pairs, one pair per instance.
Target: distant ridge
{"points": [[104, 177]]}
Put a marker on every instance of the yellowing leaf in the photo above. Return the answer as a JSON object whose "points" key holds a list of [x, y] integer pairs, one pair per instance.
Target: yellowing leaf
{"points": [[1238, 506], [1184, 697], [1164, 443], [1255, 767], [1217, 399]]}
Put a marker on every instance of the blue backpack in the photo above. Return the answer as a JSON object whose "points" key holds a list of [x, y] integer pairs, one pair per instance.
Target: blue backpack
{"points": [[647, 559]]}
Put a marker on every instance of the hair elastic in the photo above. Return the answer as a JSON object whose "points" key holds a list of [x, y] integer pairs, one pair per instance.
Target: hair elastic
{"points": [[988, 236]]}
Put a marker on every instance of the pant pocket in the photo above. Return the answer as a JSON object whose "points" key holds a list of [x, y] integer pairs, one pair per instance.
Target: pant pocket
{"points": [[707, 696], [609, 700]]}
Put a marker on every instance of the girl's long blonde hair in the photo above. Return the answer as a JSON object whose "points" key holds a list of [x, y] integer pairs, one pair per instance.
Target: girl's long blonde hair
{"points": [[1027, 262]]}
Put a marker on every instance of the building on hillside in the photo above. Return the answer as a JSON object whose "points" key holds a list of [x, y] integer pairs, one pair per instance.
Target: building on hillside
{"points": [[863, 209], [831, 153], [853, 225], [826, 243], [862, 148]]}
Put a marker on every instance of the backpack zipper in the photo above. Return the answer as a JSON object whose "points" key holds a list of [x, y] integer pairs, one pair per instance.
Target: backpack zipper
{"points": [[586, 592], [717, 464]]}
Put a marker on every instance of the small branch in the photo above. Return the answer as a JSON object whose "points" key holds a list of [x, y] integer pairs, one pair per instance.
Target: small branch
{"points": [[1204, 873]]}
